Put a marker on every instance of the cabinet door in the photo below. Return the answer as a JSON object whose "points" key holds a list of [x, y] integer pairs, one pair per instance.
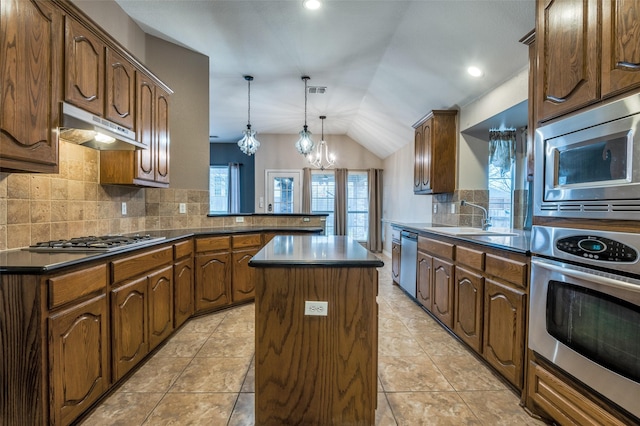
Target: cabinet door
{"points": [[417, 165], [120, 90], [183, 291], [395, 262], [620, 54], [568, 60], [427, 153], [161, 136], [84, 73], [504, 316], [78, 359], [31, 40], [469, 299], [424, 279], [442, 301], [213, 281], [129, 329], [160, 305], [244, 276], [145, 95]]}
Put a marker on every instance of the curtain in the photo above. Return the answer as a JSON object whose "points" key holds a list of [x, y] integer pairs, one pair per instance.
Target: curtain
{"points": [[234, 187], [374, 241], [502, 149], [340, 200], [306, 190]]}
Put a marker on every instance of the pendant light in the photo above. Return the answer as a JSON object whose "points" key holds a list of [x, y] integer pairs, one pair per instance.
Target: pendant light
{"points": [[322, 159], [305, 144], [249, 144]]}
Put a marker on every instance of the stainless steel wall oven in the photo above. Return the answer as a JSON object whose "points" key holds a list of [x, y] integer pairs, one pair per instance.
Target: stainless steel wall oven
{"points": [[588, 165], [585, 308]]}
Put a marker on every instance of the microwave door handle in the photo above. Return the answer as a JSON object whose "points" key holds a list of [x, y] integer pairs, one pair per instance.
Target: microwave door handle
{"points": [[606, 281]]}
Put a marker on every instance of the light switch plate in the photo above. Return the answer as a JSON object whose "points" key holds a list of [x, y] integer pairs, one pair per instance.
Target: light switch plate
{"points": [[124, 209], [183, 208], [313, 308], [239, 219]]}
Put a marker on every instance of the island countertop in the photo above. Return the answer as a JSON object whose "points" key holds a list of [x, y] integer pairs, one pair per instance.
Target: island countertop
{"points": [[307, 250]]}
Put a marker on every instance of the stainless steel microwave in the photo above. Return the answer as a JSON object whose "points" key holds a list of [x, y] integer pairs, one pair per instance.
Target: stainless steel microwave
{"points": [[588, 165]]}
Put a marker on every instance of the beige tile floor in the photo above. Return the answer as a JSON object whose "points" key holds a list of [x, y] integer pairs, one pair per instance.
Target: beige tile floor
{"points": [[204, 374]]}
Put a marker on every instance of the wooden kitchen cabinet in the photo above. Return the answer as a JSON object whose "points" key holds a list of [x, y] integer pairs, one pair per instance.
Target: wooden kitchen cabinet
{"points": [[31, 46], [435, 278], [424, 279], [213, 273], [243, 280], [120, 81], [468, 307], [183, 281], [435, 153], [396, 251], [591, 55], [78, 357], [160, 305], [504, 330], [443, 291]]}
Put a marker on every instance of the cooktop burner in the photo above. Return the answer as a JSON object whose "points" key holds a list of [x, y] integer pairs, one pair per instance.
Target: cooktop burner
{"points": [[103, 243]]}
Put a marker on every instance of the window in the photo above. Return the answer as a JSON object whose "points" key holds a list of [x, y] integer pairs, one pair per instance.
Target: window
{"points": [[323, 190], [218, 189], [358, 206], [500, 200]]}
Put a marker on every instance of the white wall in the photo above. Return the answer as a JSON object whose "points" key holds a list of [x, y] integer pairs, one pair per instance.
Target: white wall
{"points": [[279, 152]]}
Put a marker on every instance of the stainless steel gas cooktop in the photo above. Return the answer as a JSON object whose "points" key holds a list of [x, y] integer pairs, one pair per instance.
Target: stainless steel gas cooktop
{"points": [[105, 243]]}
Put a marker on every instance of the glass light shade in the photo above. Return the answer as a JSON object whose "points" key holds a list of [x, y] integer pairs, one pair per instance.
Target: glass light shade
{"points": [[322, 159], [305, 144], [249, 144]]}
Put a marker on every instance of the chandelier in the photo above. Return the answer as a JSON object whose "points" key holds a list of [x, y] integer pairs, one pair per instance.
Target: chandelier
{"points": [[322, 159], [249, 144], [305, 144]]}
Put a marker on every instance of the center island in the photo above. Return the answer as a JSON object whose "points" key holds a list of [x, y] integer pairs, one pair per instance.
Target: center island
{"points": [[316, 331]]}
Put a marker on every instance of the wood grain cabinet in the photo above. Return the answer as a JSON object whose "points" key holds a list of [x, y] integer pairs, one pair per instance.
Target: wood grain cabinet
{"points": [[31, 46], [586, 51], [468, 307], [213, 273], [243, 281], [120, 90], [396, 250], [424, 279], [435, 277], [443, 291], [160, 305], [183, 281], [78, 342], [435, 153]]}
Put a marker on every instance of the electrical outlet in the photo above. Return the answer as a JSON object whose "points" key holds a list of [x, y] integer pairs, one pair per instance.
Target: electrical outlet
{"points": [[239, 219], [124, 209], [183, 208], [318, 309], [435, 208], [306, 219], [453, 208]]}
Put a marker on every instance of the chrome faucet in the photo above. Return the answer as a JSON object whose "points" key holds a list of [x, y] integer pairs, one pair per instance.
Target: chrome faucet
{"points": [[486, 222]]}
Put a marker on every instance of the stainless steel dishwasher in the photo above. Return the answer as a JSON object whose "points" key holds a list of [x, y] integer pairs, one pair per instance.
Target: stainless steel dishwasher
{"points": [[408, 260]]}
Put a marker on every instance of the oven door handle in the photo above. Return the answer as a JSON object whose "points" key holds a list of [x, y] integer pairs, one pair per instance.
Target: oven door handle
{"points": [[591, 277]]}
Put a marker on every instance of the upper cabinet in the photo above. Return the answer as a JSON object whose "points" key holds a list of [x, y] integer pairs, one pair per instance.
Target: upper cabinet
{"points": [[31, 38], [120, 89], [580, 61], [435, 153]]}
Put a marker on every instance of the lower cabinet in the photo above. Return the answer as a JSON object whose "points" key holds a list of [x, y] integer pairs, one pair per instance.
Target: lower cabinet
{"points": [[424, 279], [78, 359], [183, 291], [243, 277], [468, 307], [504, 331], [396, 249], [160, 305], [213, 281], [442, 299]]}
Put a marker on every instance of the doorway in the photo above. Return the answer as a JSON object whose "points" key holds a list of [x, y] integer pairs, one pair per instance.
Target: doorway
{"points": [[284, 191]]}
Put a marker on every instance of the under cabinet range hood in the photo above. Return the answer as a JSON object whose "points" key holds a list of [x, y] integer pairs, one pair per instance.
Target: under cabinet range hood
{"points": [[84, 128]]}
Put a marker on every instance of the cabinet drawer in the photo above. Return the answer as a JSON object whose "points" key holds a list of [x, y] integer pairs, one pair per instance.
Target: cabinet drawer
{"points": [[438, 248], [471, 258], [183, 249], [510, 270], [72, 286], [248, 240], [213, 243], [395, 234], [132, 266]]}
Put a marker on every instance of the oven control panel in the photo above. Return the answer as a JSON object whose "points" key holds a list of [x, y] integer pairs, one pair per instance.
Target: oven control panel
{"points": [[597, 248]]}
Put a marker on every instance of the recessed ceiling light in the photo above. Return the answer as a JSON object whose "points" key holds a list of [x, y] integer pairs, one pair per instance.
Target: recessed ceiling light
{"points": [[312, 4], [475, 71]]}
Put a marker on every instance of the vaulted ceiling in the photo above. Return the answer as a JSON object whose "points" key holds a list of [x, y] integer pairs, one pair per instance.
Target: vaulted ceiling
{"points": [[384, 63]]}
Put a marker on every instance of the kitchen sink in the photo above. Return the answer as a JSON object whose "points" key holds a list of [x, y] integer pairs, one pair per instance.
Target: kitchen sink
{"points": [[469, 231]]}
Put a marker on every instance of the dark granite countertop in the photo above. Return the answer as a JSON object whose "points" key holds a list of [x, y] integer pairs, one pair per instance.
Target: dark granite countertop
{"points": [[520, 243], [20, 261], [314, 250]]}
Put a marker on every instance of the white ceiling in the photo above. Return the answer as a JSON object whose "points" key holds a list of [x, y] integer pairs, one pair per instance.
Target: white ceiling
{"points": [[385, 63]]}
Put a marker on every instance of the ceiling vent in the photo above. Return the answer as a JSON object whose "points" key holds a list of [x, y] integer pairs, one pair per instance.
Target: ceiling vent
{"points": [[317, 89]]}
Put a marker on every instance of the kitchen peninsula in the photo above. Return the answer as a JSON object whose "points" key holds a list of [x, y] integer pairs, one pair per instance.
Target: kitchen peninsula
{"points": [[316, 331]]}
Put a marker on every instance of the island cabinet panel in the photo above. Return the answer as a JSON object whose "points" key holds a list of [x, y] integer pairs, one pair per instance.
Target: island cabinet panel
{"points": [[468, 311], [130, 335], [504, 331], [78, 359], [31, 60], [160, 305], [318, 370]]}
